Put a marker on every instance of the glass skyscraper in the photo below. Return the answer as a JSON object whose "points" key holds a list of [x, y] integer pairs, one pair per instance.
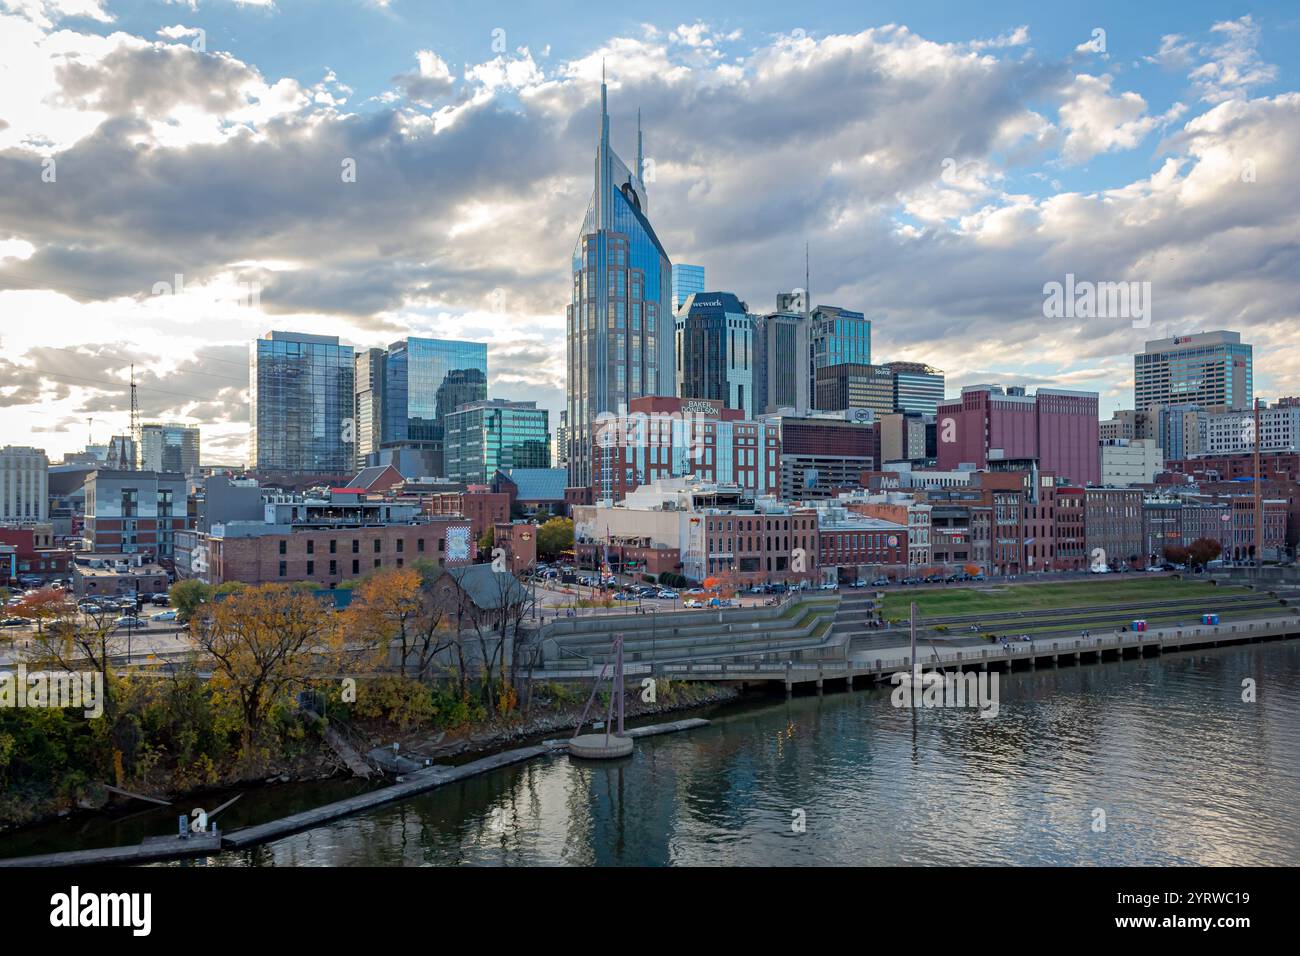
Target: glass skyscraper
{"points": [[715, 350], [302, 404], [424, 381], [687, 280], [484, 436], [169, 447], [620, 315], [837, 337]]}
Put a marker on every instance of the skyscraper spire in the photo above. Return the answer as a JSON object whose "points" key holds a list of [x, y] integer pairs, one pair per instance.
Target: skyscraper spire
{"points": [[639, 161]]}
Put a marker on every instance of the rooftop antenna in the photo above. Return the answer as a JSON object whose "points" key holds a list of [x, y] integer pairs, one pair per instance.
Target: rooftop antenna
{"points": [[639, 161], [807, 282], [135, 420]]}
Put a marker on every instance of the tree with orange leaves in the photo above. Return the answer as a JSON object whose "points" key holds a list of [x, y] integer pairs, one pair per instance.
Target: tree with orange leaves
{"points": [[393, 605], [262, 642], [47, 604]]}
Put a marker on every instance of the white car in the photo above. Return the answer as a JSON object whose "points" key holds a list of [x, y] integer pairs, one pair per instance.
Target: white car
{"points": [[693, 603], [668, 595], [164, 616]]}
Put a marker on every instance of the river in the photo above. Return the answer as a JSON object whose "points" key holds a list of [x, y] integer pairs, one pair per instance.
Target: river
{"points": [[1146, 761]]}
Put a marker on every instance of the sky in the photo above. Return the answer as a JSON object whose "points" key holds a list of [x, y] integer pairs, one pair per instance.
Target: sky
{"points": [[176, 180]]}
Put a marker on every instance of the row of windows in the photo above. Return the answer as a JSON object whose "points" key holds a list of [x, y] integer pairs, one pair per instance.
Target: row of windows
{"points": [[356, 545]]}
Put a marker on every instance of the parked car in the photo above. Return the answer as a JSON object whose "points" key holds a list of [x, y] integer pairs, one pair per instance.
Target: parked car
{"points": [[881, 582], [667, 595], [830, 586], [859, 583], [693, 603], [696, 591], [129, 621], [624, 596], [164, 616], [13, 622], [160, 600]]}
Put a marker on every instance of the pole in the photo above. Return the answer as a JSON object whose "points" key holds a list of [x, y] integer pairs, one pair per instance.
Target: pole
{"points": [[1259, 503], [913, 632]]}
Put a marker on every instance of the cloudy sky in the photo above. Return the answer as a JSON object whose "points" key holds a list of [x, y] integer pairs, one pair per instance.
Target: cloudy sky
{"points": [[942, 161]]}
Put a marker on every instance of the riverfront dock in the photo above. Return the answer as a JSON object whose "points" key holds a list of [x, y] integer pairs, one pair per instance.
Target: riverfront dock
{"points": [[152, 850]]}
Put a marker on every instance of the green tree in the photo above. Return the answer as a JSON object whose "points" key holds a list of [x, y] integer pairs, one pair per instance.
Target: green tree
{"points": [[186, 596], [555, 537], [486, 541]]}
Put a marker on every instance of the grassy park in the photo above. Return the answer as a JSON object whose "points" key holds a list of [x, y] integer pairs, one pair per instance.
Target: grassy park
{"points": [[998, 598]]}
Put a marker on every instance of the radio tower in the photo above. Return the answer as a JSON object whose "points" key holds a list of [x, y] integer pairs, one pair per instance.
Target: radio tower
{"points": [[135, 422]]}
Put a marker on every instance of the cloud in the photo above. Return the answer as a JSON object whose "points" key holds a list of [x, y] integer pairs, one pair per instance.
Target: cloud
{"points": [[1234, 64], [171, 161]]}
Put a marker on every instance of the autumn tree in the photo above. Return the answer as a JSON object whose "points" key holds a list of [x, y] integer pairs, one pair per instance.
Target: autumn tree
{"points": [[76, 639], [1204, 550], [385, 608], [1176, 554], [263, 641], [47, 604]]}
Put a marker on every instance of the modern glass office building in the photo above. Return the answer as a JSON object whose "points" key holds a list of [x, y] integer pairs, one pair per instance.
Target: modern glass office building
{"points": [[620, 316], [781, 366], [483, 436], [715, 350], [302, 404], [1207, 369], [917, 387], [369, 404], [169, 447], [837, 337], [424, 381], [687, 280]]}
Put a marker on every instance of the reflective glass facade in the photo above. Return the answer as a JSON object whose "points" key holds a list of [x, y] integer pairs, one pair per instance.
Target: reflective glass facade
{"points": [[424, 381], [485, 436], [171, 448], [715, 350], [1206, 369], [619, 334], [837, 337], [917, 387], [687, 280], [302, 404]]}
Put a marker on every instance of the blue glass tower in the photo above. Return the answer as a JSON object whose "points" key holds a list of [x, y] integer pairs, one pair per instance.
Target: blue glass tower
{"points": [[620, 313], [424, 381], [301, 404], [687, 280]]}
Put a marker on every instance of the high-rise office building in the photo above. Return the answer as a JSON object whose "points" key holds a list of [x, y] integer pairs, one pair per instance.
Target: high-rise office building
{"points": [[836, 337], [369, 404], [687, 280], [424, 382], [781, 365], [846, 385], [483, 436], [917, 387], [715, 350], [302, 404], [620, 317], [169, 447], [24, 485], [1206, 369]]}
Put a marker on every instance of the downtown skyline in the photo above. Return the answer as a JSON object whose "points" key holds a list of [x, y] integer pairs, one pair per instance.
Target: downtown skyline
{"points": [[464, 231]]}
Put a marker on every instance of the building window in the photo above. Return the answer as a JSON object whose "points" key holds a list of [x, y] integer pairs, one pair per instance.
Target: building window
{"points": [[284, 568], [334, 546], [311, 548], [334, 568], [283, 547], [378, 545], [356, 567], [378, 562], [401, 545], [356, 546], [419, 545], [311, 568]]}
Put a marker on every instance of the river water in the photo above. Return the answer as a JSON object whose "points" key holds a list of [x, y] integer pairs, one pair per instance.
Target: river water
{"points": [[1184, 771]]}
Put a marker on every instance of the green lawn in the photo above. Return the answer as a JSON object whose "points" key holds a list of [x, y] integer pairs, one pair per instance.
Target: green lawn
{"points": [[942, 602]]}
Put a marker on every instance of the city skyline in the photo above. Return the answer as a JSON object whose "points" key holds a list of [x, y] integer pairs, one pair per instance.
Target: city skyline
{"points": [[1194, 126]]}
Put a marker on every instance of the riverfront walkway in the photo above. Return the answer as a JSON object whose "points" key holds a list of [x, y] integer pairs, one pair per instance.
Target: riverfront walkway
{"points": [[881, 663]]}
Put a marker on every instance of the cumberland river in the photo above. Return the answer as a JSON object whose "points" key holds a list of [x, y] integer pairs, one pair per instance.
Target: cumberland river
{"points": [[1185, 772]]}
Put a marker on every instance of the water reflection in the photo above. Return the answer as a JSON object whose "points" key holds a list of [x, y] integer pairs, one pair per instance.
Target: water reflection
{"points": [[1184, 771]]}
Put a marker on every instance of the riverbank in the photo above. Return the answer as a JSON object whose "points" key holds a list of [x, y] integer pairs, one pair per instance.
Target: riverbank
{"points": [[555, 709]]}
